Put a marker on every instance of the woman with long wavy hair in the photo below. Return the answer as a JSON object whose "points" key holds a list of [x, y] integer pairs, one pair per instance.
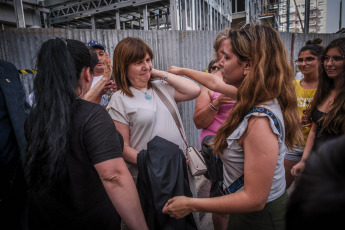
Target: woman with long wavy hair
{"points": [[78, 178], [308, 62], [327, 110], [255, 137]]}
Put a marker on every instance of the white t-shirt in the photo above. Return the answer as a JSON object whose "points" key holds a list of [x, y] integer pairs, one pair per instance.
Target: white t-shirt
{"points": [[299, 75], [95, 80], [145, 118]]}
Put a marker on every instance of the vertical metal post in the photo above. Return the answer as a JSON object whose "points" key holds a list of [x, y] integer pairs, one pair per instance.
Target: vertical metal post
{"points": [[93, 25], [167, 19], [306, 16], [247, 11], [210, 16], [340, 14], [45, 20], [288, 16], [118, 23], [146, 15], [193, 15], [18, 9], [174, 15], [184, 14]]}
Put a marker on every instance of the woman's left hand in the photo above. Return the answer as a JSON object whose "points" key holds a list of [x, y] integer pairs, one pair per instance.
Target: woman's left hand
{"points": [[177, 207]]}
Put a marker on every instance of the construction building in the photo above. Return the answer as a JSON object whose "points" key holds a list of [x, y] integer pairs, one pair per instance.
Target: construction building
{"points": [[117, 14], [325, 16]]}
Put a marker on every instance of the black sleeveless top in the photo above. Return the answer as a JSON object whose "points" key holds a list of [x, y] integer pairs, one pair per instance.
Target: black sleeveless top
{"points": [[323, 136]]}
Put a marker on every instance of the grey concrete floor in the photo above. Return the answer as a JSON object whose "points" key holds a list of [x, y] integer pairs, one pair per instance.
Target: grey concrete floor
{"points": [[203, 187]]}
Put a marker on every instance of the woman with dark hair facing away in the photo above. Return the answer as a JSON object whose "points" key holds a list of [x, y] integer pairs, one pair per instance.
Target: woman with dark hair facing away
{"points": [[308, 62], [252, 142], [327, 110], [78, 178]]}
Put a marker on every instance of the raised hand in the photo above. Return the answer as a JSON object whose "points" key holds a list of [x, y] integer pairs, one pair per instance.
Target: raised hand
{"points": [[175, 70]]}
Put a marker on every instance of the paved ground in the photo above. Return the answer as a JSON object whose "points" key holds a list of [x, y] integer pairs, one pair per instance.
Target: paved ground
{"points": [[203, 188]]}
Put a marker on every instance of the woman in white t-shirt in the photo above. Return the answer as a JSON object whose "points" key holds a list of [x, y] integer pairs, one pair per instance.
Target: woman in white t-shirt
{"points": [[137, 111]]}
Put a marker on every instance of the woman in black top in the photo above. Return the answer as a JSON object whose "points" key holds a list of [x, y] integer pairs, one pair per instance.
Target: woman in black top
{"points": [[327, 110], [78, 178]]}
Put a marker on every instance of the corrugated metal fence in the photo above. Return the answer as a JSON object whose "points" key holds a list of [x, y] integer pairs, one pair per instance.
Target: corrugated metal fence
{"points": [[192, 49]]}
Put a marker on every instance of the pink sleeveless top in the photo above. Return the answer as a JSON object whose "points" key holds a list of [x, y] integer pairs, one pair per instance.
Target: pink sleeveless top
{"points": [[219, 119]]}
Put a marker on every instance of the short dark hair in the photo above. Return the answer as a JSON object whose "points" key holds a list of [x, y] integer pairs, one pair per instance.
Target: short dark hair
{"points": [[128, 51], [211, 64]]}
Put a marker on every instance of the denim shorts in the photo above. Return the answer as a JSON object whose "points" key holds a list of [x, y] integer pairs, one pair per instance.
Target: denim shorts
{"points": [[272, 217], [294, 154]]}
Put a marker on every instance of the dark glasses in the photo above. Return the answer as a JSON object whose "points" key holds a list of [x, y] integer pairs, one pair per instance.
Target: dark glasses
{"points": [[215, 68], [334, 59], [306, 60]]}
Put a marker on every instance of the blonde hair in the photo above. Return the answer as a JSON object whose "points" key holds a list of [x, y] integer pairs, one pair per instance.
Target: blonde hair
{"points": [[270, 77], [222, 36]]}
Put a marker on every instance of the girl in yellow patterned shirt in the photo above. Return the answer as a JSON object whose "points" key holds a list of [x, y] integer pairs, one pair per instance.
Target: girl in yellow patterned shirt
{"points": [[308, 62]]}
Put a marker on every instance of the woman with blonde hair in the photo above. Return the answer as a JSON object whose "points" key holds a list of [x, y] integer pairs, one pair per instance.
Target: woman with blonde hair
{"points": [[254, 139], [218, 44]]}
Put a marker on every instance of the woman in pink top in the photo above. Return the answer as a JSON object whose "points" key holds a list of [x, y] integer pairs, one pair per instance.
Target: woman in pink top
{"points": [[218, 112], [211, 108]]}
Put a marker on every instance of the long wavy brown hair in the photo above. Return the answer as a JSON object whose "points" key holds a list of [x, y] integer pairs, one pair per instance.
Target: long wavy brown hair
{"points": [[270, 77], [334, 120]]}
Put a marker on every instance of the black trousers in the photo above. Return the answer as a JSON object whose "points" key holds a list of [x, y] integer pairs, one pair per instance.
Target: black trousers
{"points": [[13, 200]]}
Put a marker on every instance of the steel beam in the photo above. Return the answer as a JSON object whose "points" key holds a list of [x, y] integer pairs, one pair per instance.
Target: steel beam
{"points": [[18, 9], [73, 10]]}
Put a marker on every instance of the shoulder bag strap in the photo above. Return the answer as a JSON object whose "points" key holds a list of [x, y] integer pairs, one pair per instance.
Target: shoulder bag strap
{"points": [[268, 112], [239, 182], [172, 110]]}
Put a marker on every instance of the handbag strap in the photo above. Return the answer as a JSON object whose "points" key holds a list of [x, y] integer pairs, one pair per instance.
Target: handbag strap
{"points": [[173, 112], [239, 182]]}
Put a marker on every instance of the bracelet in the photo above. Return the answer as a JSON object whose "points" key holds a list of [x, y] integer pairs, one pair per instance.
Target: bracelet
{"points": [[214, 107], [165, 76]]}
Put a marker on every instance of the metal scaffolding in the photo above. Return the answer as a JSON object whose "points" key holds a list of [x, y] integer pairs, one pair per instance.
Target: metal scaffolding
{"points": [[142, 14]]}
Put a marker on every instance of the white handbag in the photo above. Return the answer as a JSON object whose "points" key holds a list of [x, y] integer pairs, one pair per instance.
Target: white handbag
{"points": [[197, 165]]}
